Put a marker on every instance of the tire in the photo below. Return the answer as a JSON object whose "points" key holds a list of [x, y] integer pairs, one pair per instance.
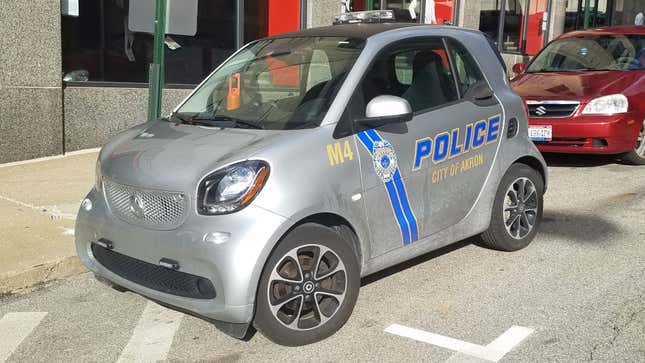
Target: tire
{"points": [[292, 310], [637, 156], [514, 225]]}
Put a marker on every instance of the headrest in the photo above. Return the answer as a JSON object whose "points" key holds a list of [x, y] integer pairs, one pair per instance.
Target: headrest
{"points": [[425, 58]]}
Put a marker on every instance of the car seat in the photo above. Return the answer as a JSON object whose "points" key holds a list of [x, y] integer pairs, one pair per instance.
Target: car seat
{"points": [[430, 85]]}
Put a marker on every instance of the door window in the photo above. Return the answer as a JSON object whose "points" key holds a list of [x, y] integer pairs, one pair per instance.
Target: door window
{"points": [[418, 72], [467, 70]]}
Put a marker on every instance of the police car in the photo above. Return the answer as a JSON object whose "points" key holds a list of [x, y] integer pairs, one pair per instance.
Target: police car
{"points": [[306, 161]]}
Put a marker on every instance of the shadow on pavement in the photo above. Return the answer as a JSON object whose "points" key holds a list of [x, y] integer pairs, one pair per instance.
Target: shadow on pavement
{"points": [[579, 160], [415, 261], [581, 228], [586, 228]]}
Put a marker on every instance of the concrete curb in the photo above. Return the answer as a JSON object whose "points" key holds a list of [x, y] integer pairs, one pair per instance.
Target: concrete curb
{"points": [[16, 282]]}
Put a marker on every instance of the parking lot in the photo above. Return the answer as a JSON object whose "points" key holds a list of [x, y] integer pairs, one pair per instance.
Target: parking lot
{"points": [[577, 293]]}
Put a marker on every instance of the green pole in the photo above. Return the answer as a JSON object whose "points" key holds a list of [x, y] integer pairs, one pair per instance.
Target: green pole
{"points": [[369, 5], [587, 10], [156, 73]]}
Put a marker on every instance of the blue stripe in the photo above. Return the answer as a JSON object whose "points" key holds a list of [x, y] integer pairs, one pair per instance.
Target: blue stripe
{"points": [[396, 192], [398, 213], [366, 141], [374, 135], [403, 196]]}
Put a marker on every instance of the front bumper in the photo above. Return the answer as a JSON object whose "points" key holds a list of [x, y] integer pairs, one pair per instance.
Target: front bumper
{"points": [[597, 134], [233, 266]]}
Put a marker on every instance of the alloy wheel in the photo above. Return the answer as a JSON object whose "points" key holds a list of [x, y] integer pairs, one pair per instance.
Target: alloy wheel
{"points": [[306, 287], [520, 208]]}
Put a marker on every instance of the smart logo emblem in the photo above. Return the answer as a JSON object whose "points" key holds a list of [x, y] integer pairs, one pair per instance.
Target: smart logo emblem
{"points": [[385, 162], [136, 206]]}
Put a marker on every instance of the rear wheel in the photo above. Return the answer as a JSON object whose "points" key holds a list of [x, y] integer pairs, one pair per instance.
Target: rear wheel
{"points": [[517, 210], [308, 288], [637, 156]]}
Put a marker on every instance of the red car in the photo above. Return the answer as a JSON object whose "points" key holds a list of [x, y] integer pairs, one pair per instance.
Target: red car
{"points": [[585, 93]]}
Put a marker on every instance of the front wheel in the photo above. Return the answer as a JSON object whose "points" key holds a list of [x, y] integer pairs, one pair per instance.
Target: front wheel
{"points": [[517, 210], [637, 156], [308, 288]]}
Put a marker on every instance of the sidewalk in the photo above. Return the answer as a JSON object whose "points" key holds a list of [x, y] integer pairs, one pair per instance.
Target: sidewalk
{"points": [[39, 200]]}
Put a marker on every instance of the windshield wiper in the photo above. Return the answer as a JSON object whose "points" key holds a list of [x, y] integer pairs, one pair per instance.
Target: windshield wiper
{"points": [[217, 121], [176, 116]]}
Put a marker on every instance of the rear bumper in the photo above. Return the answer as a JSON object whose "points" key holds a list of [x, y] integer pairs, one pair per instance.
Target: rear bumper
{"points": [[591, 134]]}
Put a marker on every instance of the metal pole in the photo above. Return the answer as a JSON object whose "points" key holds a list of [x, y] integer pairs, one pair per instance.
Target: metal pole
{"points": [[156, 74], [587, 6], [239, 24], [500, 27], [303, 14]]}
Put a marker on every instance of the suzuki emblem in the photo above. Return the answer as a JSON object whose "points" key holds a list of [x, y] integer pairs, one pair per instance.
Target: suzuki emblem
{"points": [[540, 111]]}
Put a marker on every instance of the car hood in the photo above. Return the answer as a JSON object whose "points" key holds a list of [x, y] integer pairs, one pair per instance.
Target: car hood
{"points": [[581, 86], [168, 156]]}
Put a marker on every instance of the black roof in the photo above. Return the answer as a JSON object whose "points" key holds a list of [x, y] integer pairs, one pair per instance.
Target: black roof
{"points": [[360, 30]]}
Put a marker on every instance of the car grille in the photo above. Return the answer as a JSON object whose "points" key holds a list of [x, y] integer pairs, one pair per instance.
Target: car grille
{"points": [[149, 208], [153, 276], [552, 109]]}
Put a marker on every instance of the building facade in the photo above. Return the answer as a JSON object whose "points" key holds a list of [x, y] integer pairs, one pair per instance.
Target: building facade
{"points": [[73, 72]]}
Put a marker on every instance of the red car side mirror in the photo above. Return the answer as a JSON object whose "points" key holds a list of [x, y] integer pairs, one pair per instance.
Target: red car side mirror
{"points": [[519, 68]]}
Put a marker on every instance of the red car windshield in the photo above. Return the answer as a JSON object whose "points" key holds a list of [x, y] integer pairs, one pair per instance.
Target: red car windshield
{"points": [[592, 53]]}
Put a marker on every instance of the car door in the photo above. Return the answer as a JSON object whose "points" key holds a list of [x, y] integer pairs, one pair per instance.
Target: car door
{"points": [[474, 126], [408, 194]]}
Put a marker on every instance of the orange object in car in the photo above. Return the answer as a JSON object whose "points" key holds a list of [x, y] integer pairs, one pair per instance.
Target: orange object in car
{"points": [[233, 96]]}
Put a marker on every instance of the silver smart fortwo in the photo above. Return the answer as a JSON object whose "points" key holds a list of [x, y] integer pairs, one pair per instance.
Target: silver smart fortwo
{"points": [[306, 161]]}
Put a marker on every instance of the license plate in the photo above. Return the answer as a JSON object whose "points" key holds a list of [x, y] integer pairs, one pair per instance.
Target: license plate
{"points": [[541, 133]]}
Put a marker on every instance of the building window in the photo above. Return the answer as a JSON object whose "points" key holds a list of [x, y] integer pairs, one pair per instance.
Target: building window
{"points": [[603, 13], [513, 19], [98, 45], [515, 26]]}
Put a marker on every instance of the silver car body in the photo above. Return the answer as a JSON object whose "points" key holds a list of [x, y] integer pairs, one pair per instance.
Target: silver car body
{"points": [[434, 203]]}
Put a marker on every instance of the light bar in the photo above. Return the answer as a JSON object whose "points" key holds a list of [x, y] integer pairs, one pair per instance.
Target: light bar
{"points": [[371, 16]]}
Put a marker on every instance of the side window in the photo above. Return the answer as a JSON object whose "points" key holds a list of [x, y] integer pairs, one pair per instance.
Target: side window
{"points": [[468, 73], [403, 67], [417, 71]]}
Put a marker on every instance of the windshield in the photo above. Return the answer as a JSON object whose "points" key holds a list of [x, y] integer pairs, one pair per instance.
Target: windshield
{"points": [[276, 84], [592, 53]]}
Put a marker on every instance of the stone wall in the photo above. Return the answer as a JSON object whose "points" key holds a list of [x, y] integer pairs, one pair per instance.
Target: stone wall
{"points": [[31, 119], [94, 114], [321, 12]]}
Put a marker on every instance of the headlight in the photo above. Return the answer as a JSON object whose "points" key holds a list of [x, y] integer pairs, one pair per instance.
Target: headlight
{"points": [[607, 105], [232, 188], [98, 177]]}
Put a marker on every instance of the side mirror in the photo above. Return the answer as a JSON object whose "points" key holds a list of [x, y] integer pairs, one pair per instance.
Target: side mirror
{"points": [[519, 68], [386, 109], [80, 75]]}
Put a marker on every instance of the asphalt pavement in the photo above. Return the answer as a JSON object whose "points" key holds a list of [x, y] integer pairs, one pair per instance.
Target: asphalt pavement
{"points": [[578, 291]]}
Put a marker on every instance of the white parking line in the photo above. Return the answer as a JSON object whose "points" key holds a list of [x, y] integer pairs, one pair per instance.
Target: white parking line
{"points": [[153, 335], [14, 328], [53, 211], [492, 352]]}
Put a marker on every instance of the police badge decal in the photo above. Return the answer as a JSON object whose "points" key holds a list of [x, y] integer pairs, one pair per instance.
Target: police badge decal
{"points": [[384, 159]]}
